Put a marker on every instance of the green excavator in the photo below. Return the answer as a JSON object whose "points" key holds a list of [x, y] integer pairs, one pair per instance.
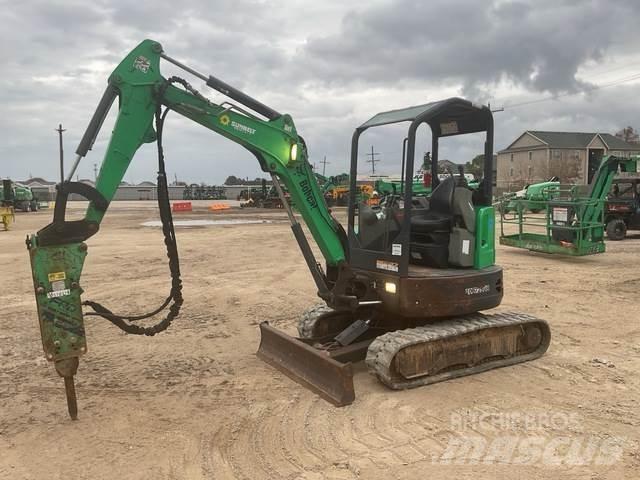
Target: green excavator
{"points": [[401, 286]]}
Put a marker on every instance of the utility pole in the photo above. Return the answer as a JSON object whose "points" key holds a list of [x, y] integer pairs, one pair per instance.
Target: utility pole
{"points": [[60, 130], [95, 172], [324, 165], [373, 160]]}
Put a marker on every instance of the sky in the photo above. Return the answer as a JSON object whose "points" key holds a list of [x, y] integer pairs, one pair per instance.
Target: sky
{"points": [[564, 65]]}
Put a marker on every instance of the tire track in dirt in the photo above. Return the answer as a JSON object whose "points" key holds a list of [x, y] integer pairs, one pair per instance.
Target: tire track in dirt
{"points": [[306, 435]]}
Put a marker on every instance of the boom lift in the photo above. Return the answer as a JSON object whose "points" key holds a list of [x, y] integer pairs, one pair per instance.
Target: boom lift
{"points": [[398, 266], [573, 223]]}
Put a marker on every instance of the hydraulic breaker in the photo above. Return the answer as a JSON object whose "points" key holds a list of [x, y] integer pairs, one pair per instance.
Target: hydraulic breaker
{"points": [[56, 273]]}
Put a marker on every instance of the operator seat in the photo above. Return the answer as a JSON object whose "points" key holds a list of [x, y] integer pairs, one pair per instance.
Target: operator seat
{"points": [[440, 213], [430, 229]]}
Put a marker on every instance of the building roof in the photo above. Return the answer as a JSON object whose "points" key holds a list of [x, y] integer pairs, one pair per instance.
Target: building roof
{"points": [[577, 140], [37, 181], [615, 143]]}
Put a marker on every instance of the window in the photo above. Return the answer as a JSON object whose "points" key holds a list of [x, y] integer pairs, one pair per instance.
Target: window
{"points": [[622, 190], [512, 157], [557, 154], [530, 170], [530, 155], [511, 172]]}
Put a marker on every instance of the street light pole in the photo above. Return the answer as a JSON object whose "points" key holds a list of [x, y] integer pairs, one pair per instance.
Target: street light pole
{"points": [[60, 130]]}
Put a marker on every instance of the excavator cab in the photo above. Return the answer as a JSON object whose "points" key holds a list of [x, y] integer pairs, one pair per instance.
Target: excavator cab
{"points": [[429, 257]]}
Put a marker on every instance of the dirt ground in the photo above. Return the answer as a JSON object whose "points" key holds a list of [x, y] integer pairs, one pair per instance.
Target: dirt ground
{"points": [[195, 402]]}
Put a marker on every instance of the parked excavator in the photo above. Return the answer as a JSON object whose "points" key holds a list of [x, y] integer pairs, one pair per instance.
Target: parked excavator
{"points": [[394, 271]]}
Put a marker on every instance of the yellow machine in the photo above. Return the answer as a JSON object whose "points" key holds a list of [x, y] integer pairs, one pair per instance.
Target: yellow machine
{"points": [[7, 212], [7, 216]]}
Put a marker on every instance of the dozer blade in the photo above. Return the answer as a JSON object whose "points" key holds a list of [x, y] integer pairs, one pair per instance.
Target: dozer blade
{"points": [[310, 367]]}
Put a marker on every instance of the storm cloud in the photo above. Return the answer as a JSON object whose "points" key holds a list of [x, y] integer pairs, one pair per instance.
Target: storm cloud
{"points": [[330, 64]]}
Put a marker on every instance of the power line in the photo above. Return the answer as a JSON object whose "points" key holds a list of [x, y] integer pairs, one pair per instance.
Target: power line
{"points": [[569, 94], [324, 165], [614, 69], [494, 110], [373, 160]]}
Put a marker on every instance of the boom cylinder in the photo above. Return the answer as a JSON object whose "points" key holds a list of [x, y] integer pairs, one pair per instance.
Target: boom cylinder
{"points": [[228, 90]]}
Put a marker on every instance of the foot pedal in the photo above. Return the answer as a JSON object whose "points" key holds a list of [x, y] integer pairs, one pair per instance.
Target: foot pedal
{"points": [[352, 332]]}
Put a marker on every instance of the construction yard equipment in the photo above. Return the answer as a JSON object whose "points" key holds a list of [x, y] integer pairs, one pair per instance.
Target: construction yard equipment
{"points": [[23, 198], [264, 197], [337, 187], [7, 212], [421, 184], [532, 197], [203, 192], [622, 209], [7, 216], [572, 223], [402, 285]]}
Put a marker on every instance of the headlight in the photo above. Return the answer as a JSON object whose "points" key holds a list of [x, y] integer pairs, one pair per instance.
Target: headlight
{"points": [[294, 152], [390, 287]]}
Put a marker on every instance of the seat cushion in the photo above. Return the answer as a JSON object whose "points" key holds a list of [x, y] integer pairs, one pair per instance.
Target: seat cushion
{"points": [[430, 222]]}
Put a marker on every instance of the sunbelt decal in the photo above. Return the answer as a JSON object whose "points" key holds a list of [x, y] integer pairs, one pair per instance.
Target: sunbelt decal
{"points": [[226, 121]]}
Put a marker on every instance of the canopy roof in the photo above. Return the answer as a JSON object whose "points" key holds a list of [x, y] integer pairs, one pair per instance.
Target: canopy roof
{"points": [[452, 116]]}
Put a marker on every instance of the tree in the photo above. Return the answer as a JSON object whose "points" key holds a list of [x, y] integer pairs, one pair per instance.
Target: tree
{"points": [[233, 180], [629, 135], [475, 166]]}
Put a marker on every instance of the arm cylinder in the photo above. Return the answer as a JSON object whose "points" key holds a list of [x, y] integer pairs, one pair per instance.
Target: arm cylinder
{"points": [[228, 90], [242, 97], [99, 115]]}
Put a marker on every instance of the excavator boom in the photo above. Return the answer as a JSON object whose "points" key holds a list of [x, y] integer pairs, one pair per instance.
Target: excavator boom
{"points": [[58, 250]]}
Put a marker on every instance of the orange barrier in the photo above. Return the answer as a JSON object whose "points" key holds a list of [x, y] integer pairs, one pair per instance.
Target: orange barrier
{"points": [[181, 207], [216, 207]]}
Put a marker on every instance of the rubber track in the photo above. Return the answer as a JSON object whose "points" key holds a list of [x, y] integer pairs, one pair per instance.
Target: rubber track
{"points": [[383, 350], [310, 317]]}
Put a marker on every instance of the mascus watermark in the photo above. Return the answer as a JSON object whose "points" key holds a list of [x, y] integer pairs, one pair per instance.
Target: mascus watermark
{"points": [[517, 438]]}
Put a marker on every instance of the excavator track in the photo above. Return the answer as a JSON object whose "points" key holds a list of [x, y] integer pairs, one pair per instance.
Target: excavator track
{"points": [[456, 347], [310, 318], [321, 321]]}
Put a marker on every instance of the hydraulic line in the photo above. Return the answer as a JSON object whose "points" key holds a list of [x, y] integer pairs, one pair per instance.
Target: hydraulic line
{"points": [[175, 295]]}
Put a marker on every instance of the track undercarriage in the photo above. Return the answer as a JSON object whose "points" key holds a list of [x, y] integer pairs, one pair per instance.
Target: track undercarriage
{"points": [[402, 353]]}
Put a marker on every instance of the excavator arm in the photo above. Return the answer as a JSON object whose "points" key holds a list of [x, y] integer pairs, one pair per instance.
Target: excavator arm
{"points": [[58, 250], [141, 89]]}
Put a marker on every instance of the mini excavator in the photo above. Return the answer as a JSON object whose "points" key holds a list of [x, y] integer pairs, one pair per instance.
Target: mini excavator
{"points": [[402, 285]]}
